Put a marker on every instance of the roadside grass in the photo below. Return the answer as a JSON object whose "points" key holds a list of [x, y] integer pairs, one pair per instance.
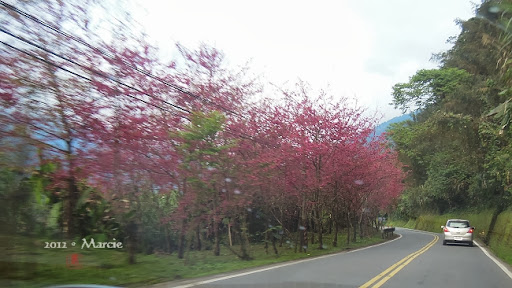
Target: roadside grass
{"points": [[28, 264], [500, 241], [402, 223]]}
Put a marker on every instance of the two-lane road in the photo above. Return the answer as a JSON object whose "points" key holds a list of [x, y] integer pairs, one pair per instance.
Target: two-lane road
{"points": [[417, 259]]}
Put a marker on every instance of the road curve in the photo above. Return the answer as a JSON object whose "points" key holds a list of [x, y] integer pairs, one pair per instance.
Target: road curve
{"points": [[417, 259]]}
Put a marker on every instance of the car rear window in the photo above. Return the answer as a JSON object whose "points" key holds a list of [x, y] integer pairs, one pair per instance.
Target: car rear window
{"points": [[458, 224]]}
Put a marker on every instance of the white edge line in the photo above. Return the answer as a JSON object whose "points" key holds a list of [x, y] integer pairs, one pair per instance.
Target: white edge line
{"points": [[282, 265], [496, 261], [505, 269]]}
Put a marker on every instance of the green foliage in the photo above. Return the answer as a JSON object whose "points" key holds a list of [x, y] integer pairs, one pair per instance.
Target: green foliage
{"points": [[428, 88], [457, 149], [53, 217], [199, 141], [475, 49], [501, 238], [156, 234], [501, 235], [26, 198], [439, 155], [202, 150], [94, 215], [203, 126], [10, 183], [502, 113]]}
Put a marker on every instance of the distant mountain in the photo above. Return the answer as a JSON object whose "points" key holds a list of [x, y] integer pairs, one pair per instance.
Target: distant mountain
{"points": [[381, 128]]}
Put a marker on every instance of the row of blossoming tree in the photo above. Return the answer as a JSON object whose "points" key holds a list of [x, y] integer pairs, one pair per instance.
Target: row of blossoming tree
{"points": [[101, 138]]}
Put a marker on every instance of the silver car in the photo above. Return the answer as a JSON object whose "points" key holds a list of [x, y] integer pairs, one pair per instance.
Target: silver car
{"points": [[458, 231]]}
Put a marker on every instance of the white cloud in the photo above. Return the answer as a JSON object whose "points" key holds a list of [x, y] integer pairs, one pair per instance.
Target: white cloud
{"points": [[360, 48]]}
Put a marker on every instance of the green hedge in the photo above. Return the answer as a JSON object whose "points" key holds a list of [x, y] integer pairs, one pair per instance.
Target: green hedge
{"points": [[500, 240], [433, 223]]}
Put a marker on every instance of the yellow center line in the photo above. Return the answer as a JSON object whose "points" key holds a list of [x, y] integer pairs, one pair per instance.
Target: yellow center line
{"points": [[393, 269]]}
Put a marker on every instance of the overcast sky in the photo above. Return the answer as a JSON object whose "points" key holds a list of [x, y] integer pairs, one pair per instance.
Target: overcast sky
{"points": [[359, 49]]}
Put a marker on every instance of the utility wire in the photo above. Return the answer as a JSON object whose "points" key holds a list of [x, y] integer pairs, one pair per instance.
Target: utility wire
{"points": [[104, 76], [83, 77], [112, 56], [90, 69]]}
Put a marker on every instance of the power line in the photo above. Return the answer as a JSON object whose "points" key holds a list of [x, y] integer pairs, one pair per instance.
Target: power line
{"points": [[89, 69], [104, 76], [112, 56], [84, 77]]}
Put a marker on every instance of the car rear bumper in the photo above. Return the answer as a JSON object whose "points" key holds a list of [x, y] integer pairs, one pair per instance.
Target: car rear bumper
{"points": [[458, 238]]}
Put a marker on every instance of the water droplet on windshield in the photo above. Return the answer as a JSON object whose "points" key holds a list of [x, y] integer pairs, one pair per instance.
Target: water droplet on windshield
{"points": [[494, 9]]}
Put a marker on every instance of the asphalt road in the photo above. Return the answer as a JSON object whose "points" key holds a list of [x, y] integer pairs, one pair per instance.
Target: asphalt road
{"points": [[417, 259]]}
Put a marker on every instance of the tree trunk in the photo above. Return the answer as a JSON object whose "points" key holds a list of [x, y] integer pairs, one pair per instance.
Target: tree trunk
{"points": [[312, 228], [500, 208], [70, 209], [501, 205], [301, 233], [320, 228], [298, 232], [244, 239], [330, 223], [181, 241], [167, 239], [216, 248], [335, 239], [302, 226], [348, 228], [274, 245], [198, 238], [284, 229], [360, 224], [229, 234], [73, 193], [266, 242], [131, 230], [181, 246], [354, 227]]}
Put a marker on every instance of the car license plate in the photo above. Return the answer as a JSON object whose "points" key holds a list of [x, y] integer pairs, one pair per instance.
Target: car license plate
{"points": [[458, 238]]}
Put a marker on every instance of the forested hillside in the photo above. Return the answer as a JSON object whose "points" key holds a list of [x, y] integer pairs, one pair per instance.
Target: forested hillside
{"points": [[457, 148]]}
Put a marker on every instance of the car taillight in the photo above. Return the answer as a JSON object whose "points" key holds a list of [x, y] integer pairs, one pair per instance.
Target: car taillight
{"points": [[446, 229], [470, 230]]}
